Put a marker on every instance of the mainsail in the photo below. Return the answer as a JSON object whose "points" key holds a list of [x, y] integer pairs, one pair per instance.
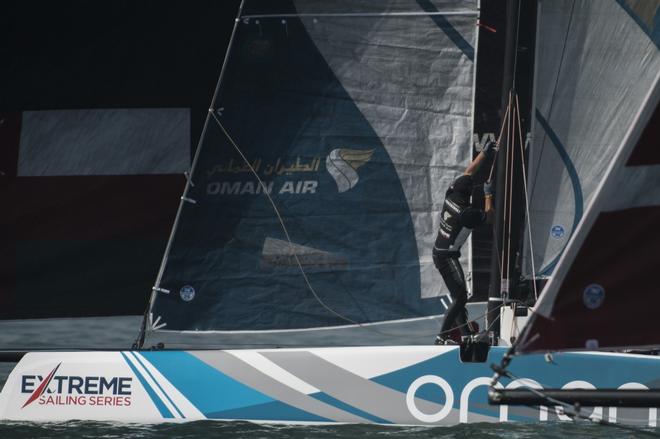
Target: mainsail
{"points": [[314, 198], [596, 60]]}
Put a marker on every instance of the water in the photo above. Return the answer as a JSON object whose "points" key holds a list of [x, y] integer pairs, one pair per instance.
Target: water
{"points": [[237, 430], [120, 332]]}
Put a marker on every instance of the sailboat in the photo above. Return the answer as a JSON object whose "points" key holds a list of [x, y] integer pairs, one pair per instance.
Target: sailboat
{"points": [[297, 285]]}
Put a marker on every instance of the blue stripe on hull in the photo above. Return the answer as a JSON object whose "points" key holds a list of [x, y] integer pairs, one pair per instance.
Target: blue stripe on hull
{"points": [[205, 387], [159, 386], [164, 412], [219, 396]]}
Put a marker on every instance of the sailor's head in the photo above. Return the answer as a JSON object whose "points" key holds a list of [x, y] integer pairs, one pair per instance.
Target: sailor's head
{"points": [[463, 186]]}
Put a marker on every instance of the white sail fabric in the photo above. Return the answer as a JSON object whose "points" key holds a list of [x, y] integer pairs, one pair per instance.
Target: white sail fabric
{"points": [[420, 106], [596, 60]]}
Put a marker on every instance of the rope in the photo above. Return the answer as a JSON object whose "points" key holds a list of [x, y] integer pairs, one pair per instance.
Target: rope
{"points": [[492, 168], [514, 127]]}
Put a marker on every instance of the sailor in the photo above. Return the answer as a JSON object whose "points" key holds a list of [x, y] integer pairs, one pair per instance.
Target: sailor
{"points": [[458, 218]]}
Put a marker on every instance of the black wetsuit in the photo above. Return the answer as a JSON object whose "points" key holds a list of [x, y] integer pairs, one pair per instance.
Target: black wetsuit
{"points": [[457, 220]]}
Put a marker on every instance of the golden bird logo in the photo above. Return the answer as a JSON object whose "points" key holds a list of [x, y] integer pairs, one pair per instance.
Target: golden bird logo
{"points": [[342, 164]]}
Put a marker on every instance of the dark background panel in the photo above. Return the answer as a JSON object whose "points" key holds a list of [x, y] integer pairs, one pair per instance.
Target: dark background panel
{"points": [[92, 245]]}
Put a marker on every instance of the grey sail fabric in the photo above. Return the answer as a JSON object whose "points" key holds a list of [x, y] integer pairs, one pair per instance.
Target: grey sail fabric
{"points": [[596, 60], [355, 117], [412, 80]]}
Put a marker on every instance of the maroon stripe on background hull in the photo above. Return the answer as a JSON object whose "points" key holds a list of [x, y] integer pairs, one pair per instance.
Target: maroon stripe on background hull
{"points": [[10, 138], [647, 150], [621, 256], [83, 246], [90, 207]]}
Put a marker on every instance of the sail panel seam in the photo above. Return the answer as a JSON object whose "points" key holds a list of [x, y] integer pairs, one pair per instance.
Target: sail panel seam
{"points": [[363, 14], [324, 328]]}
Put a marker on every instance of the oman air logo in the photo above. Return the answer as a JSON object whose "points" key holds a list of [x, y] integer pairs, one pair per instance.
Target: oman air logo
{"points": [[343, 163]]}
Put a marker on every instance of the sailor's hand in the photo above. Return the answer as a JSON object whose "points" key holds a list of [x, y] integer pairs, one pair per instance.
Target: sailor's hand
{"points": [[488, 189], [490, 149]]}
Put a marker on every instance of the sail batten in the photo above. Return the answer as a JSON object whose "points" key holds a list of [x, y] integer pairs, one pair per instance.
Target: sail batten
{"points": [[361, 14]]}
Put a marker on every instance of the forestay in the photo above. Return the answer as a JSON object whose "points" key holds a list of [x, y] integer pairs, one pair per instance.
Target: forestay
{"points": [[355, 116], [596, 60]]}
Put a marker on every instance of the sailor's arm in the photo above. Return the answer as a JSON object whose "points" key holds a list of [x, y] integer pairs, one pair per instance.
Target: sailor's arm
{"points": [[486, 153], [488, 202]]}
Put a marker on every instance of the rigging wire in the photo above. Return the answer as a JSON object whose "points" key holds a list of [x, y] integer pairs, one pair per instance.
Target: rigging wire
{"points": [[527, 216], [510, 151], [514, 128], [492, 168], [515, 53], [506, 215]]}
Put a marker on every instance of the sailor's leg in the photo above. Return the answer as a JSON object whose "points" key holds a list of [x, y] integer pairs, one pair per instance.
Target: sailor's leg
{"points": [[452, 273]]}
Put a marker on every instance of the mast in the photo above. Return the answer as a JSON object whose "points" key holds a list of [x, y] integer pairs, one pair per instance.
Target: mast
{"points": [[510, 208], [139, 342]]}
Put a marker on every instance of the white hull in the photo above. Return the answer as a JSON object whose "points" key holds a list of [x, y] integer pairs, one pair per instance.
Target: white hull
{"points": [[409, 385]]}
